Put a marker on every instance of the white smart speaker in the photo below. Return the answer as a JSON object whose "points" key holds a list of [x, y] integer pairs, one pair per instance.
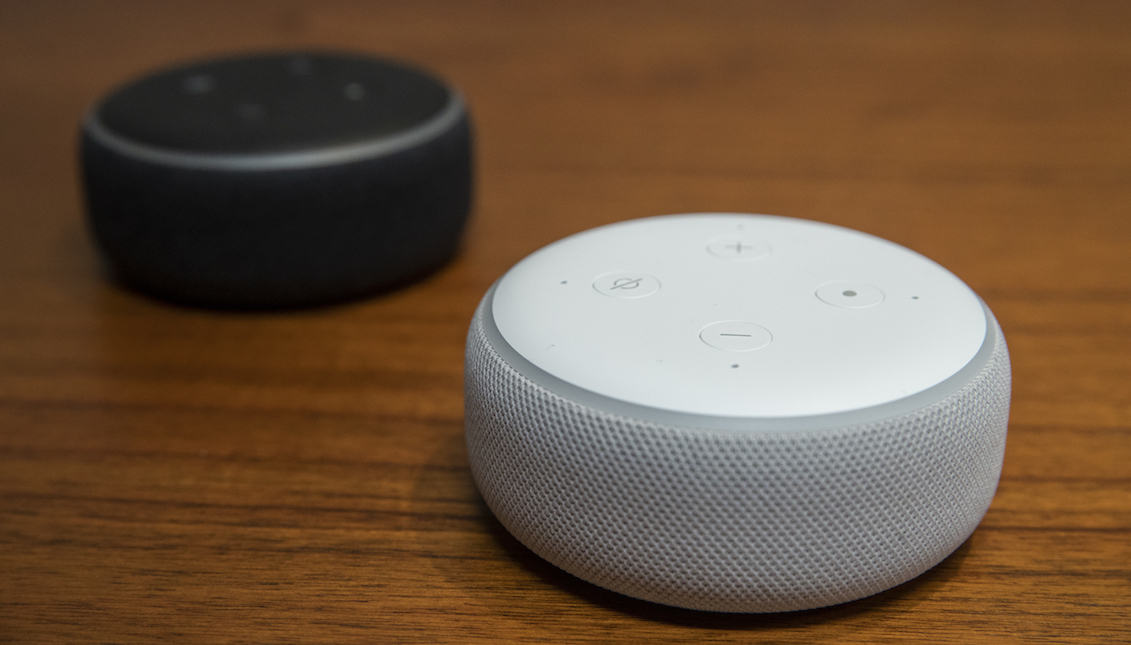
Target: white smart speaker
{"points": [[739, 413]]}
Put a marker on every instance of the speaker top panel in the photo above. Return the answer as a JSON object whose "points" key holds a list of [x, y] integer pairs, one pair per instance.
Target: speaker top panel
{"points": [[739, 316], [271, 106]]}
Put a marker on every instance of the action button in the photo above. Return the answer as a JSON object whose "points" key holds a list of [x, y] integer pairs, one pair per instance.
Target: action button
{"points": [[850, 294]]}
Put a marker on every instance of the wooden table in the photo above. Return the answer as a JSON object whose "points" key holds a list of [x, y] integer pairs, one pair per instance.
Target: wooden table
{"points": [[196, 476]]}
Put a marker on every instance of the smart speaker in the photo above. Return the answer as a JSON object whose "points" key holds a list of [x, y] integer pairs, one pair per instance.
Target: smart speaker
{"points": [[736, 413], [277, 180]]}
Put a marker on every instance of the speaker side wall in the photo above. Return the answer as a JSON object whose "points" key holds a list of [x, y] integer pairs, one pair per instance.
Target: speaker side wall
{"points": [[257, 238], [734, 521]]}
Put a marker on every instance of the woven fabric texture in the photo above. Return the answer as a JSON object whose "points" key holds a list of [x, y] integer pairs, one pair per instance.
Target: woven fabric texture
{"points": [[733, 521]]}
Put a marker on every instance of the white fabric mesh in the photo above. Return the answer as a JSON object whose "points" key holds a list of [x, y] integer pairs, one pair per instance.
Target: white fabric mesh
{"points": [[733, 521]]}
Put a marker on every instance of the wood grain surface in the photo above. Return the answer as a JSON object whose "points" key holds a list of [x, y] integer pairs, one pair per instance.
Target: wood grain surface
{"points": [[172, 474]]}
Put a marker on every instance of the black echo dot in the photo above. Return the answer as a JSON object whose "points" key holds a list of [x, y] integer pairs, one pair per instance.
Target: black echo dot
{"points": [[277, 180]]}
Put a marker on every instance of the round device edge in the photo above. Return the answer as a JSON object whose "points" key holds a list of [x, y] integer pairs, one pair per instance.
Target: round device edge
{"points": [[453, 113], [738, 424]]}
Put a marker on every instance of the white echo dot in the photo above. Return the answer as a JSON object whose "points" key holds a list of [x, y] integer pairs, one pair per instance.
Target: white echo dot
{"points": [[738, 413]]}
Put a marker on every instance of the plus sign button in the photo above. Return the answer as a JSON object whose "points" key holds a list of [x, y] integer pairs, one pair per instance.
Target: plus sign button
{"points": [[737, 248], [626, 284]]}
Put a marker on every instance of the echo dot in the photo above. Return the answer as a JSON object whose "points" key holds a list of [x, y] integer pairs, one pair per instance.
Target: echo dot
{"points": [[736, 413], [277, 180]]}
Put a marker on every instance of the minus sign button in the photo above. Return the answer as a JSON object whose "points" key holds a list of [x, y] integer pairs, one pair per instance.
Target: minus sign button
{"points": [[735, 336]]}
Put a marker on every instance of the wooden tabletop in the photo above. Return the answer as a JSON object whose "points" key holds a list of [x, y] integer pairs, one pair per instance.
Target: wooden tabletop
{"points": [[174, 474]]}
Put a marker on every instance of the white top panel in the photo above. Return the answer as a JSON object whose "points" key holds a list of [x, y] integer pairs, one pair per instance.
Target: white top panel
{"points": [[819, 319]]}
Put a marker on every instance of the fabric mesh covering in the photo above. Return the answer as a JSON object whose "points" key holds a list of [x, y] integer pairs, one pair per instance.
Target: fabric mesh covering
{"points": [[733, 521]]}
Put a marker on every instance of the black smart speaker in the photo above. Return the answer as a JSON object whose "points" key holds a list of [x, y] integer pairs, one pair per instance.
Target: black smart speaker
{"points": [[277, 180]]}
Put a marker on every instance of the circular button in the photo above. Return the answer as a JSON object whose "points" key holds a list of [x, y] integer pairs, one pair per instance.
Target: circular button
{"points": [[199, 84], [849, 294], [737, 248], [736, 336], [626, 284]]}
